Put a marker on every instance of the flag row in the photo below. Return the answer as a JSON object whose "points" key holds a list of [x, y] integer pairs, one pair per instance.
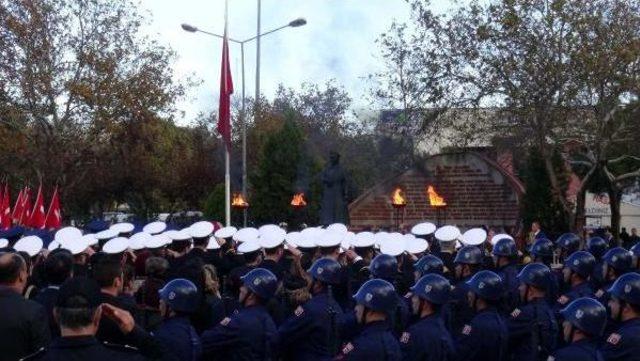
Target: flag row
{"points": [[23, 214]]}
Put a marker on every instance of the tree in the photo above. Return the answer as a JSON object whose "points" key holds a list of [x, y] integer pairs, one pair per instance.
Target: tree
{"points": [[558, 72]]}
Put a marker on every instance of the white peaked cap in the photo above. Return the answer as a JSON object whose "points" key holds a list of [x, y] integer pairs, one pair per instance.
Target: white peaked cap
{"points": [[200, 229], [213, 243], [249, 246], [416, 245], [67, 234], [155, 227], [4, 242], [53, 245], [347, 241], [32, 245], [106, 234], [243, 234], [76, 247], [91, 239], [498, 237], [268, 228], [272, 239], [139, 240], [447, 233], [329, 239], [180, 235], [292, 238], [116, 245], [364, 239], [337, 227], [381, 237], [122, 227], [157, 241], [474, 237], [226, 232], [393, 246], [423, 229], [306, 239]]}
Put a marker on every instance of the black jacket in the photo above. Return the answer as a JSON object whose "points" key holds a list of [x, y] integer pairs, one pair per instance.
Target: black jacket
{"points": [[24, 327]]}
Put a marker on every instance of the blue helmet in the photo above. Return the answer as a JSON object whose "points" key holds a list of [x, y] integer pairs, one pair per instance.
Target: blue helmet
{"points": [[468, 255], [537, 275], [180, 295], [262, 282], [487, 285], [597, 246], [569, 242], [619, 259], [377, 295], [505, 247], [581, 263], [635, 250], [326, 270], [542, 248], [627, 288], [587, 315], [433, 288], [429, 264], [384, 266]]}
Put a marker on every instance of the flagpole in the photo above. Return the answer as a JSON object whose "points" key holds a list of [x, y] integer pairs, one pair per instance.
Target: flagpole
{"points": [[227, 176]]}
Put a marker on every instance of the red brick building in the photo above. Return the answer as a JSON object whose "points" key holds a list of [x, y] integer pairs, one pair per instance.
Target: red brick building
{"points": [[478, 188]]}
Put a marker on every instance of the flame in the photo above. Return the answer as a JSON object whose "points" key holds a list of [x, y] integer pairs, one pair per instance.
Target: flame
{"points": [[298, 200], [397, 198], [239, 201], [434, 198]]}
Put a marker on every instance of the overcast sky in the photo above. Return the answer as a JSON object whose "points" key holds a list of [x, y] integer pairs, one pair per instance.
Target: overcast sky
{"points": [[338, 42]]}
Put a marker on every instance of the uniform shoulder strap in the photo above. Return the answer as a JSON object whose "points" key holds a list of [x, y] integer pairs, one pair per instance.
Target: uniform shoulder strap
{"points": [[36, 355]]}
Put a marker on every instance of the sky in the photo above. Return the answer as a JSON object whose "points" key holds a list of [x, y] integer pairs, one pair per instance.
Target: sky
{"points": [[338, 43]]}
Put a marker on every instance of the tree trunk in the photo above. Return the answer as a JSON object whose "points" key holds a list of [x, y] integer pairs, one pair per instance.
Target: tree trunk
{"points": [[580, 220], [615, 196]]}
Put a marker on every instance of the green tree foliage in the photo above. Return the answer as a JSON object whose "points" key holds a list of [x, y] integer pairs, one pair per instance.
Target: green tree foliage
{"points": [[214, 204]]}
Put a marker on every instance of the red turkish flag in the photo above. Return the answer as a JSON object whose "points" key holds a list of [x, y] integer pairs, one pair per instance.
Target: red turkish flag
{"points": [[17, 209], [226, 89], [37, 218], [5, 209], [54, 217], [25, 217]]}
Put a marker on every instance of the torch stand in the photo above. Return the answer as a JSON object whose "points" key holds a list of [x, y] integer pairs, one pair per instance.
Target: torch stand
{"points": [[398, 215]]}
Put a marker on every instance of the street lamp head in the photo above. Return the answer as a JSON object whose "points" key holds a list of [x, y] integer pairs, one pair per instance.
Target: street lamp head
{"points": [[189, 28], [298, 22]]}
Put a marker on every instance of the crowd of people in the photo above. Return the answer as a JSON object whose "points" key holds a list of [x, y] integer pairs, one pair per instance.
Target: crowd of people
{"points": [[322, 293]]}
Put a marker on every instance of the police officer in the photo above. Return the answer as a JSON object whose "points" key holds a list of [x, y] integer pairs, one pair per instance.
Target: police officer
{"points": [[486, 337], [428, 339], [375, 300], [311, 332], [250, 333], [385, 267], [542, 252], [532, 327], [467, 263], [505, 256], [428, 264], [577, 269], [567, 243], [178, 300], [624, 344], [78, 311], [584, 322], [635, 252], [616, 262], [597, 247]]}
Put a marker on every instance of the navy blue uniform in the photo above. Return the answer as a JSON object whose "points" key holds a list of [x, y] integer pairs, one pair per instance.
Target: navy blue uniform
{"points": [[509, 275], [47, 298], [427, 340], [597, 276], [580, 290], [583, 350], [375, 342], [309, 333], [249, 334], [624, 344], [180, 338], [532, 329], [461, 311], [485, 339]]}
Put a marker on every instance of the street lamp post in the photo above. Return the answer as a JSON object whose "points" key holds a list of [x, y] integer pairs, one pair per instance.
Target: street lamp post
{"points": [[294, 24]]}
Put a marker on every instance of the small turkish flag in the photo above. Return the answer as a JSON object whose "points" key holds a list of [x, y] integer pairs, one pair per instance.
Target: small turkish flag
{"points": [[54, 217], [5, 209], [37, 215]]}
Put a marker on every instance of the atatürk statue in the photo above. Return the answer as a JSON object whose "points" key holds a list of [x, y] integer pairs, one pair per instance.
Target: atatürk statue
{"points": [[333, 208]]}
